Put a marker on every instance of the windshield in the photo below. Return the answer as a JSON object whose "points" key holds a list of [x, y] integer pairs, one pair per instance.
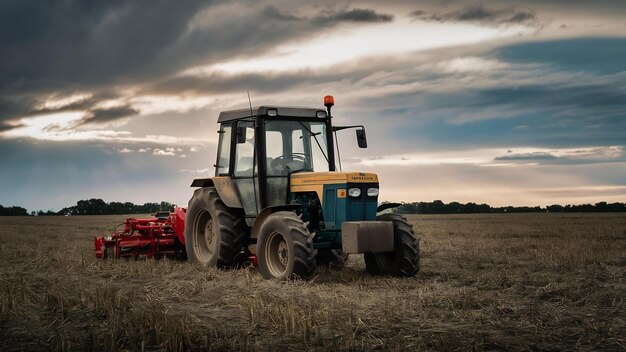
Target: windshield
{"points": [[295, 146]]}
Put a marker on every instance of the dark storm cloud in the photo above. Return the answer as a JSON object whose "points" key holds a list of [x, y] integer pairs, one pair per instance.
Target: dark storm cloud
{"points": [[56, 43], [357, 15], [549, 98], [595, 99], [272, 12], [106, 115], [218, 83], [595, 93], [566, 108], [6, 127], [62, 47], [601, 55], [528, 156], [589, 76], [14, 106], [478, 13], [550, 115], [327, 17], [569, 157], [93, 113]]}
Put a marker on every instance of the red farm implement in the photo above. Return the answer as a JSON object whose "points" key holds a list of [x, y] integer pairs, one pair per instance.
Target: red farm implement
{"points": [[157, 237]]}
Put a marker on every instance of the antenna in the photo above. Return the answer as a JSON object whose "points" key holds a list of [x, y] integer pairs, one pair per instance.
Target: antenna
{"points": [[256, 206], [250, 103]]}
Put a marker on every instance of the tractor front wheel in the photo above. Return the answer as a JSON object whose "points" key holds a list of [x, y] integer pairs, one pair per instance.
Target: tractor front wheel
{"points": [[214, 233], [285, 247], [405, 258]]}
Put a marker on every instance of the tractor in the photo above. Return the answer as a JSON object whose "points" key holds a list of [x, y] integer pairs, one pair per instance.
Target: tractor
{"points": [[277, 201]]}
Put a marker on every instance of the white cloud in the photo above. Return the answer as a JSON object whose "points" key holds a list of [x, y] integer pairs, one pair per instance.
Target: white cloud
{"points": [[527, 156], [434, 158], [168, 151], [196, 171], [470, 64], [153, 104], [60, 127], [55, 101], [361, 42], [157, 151]]}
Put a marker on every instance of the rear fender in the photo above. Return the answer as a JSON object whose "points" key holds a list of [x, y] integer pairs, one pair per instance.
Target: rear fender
{"points": [[225, 187]]}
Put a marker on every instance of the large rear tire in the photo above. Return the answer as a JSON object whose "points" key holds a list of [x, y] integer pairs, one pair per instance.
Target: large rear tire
{"points": [[214, 233], [332, 258], [405, 259], [285, 247]]}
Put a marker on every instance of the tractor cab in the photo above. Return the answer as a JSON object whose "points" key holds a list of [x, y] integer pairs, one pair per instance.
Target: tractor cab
{"points": [[260, 149]]}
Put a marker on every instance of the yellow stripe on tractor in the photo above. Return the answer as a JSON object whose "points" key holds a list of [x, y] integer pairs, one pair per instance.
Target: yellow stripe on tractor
{"points": [[315, 181]]}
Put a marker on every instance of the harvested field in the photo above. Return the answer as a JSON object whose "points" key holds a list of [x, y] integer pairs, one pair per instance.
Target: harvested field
{"points": [[504, 282]]}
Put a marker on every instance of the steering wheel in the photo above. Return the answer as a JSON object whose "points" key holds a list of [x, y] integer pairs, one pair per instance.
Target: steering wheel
{"points": [[288, 162]]}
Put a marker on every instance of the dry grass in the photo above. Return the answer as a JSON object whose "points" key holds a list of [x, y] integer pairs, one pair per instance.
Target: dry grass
{"points": [[506, 282]]}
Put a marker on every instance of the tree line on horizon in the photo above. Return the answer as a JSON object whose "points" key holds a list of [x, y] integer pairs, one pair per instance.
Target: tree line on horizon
{"points": [[92, 207], [100, 207], [439, 207]]}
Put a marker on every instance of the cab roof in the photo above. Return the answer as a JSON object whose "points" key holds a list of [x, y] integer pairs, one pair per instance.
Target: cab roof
{"points": [[283, 111]]}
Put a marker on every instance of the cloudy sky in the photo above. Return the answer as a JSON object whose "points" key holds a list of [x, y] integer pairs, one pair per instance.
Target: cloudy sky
{"points": [[504, 102]]}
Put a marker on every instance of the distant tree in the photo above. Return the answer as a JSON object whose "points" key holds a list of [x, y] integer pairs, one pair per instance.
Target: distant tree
{"points": [[407, 208], [437, 207], [47, 213], [165, 206], [100, 207], [453, 208], [13, 211], [604, 207], [67, 211], [583, 208], [91, 207], [555, 208], [617, 207], [470, 208]]}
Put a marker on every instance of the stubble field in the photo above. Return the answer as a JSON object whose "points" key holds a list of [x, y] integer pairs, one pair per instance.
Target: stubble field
{"points": [[504, 282]]}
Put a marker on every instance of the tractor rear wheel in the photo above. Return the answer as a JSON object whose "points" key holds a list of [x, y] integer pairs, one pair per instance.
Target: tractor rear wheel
{"points": [[214, 233], [285, 247], [405, 258], [332, 258]]}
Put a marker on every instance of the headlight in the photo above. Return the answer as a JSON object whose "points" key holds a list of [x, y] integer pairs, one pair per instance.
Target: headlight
{"points": [[354, 192], [372, 192]]}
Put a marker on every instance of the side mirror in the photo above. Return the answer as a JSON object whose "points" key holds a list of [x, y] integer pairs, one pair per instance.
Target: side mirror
{"points": [[361, 138], [241, 135]]}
